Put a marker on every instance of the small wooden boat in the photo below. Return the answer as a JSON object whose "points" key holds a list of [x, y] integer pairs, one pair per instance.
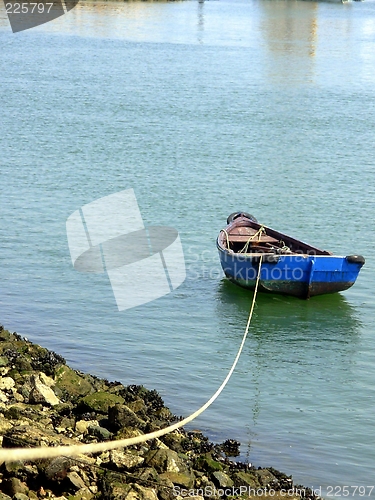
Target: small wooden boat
{"points": [[289, 266]]}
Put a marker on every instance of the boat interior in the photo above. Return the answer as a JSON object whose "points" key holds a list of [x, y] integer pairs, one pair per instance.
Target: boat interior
{"points": [[247, 237]]}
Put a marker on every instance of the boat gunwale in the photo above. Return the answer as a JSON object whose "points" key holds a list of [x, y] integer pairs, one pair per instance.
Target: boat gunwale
{"points": [[246, 222]]}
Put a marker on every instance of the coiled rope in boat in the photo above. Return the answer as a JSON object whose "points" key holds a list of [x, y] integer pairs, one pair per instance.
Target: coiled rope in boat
{"points": [[13, 454]]}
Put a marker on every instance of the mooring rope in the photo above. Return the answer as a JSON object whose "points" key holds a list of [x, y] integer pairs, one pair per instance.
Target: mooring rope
{"points": [[261, 230], [13, 454], [226, 234]]}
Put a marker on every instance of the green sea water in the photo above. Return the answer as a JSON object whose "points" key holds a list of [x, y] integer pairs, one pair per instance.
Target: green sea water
{"points": [[203, 108]]}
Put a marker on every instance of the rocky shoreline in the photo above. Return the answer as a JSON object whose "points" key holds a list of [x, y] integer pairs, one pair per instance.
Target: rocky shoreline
{"points": [[43, 402]]}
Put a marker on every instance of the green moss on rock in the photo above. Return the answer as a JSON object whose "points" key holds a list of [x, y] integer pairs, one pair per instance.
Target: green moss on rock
{"points": [[4, 361], [179, 478], [100, 402], [249, 479], [208, 464], [72, 384]]}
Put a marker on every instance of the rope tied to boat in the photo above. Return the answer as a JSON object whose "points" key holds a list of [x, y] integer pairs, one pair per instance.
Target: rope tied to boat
{"points": [[259, 233], [14, 454], [283, 247], [227, 236]]}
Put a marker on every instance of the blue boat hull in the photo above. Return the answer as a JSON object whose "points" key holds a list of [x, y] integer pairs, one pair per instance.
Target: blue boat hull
{"points": [[300, 275]]}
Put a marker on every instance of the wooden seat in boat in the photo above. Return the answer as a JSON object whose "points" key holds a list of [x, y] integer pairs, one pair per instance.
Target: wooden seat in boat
{"points": [[239, 238]]}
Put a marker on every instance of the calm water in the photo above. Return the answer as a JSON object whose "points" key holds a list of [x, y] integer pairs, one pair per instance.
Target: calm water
{"points": [[202, 109]]}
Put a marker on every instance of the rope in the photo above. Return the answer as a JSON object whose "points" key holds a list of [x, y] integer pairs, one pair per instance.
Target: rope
{"points": [[260, 231], [226, 234], [14, 454], [284, 247]]}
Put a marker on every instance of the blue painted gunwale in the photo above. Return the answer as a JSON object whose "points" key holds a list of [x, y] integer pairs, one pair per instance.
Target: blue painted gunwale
{"points": [[304, 274]]}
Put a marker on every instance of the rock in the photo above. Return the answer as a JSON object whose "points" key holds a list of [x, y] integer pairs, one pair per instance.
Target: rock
{"points": [[4, 361], [99, 432], [222, 480], [246, 479], [20, 496], [24, 472], [81, 426], [57, 468], [128, 432], [14, 485], [25, 391], [31, 471], [46, 380], [103, 458], [165, 414], [12, 468], [166, 492], [3, 496], [44, 360], [125, 460], [82, 494], [22, 364], [76, 480], [120, 415], [159, 444], [18, 397], [32, 435], [207, 464], [174, 441], [6, 383], [138, 406], [67, 423], [231, 447], [41, 393], [165, 461], [179, 478], [19, 411], [72, 384], [265, 477], [113, 487], [133, 492], [144, 493], [5, 425], [4, 334], [147, 474], [99, 402]]}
